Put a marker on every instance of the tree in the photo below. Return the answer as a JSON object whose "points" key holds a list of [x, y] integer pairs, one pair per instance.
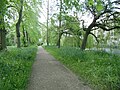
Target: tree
{"points": [[12, 13], [104, 13], [29, 28], [67, 23], [53, 32], [17, 7], [47, 23], [72, 27], [3, 10], [18, 23], [59, 28], [30, 23]]}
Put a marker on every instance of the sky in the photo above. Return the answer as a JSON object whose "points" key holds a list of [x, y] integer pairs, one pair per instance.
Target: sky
{"points": [[53, 9]]}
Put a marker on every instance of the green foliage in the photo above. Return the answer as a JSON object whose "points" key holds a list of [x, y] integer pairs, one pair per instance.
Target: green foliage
{"points": [[2, 12], [72, 24], [52, 34], [99, 69], [2, 8], [72, 3], [15, 67], [90, 42], [10, 38], [68, 41], [98, 5], [29, 21], [71, 41]]}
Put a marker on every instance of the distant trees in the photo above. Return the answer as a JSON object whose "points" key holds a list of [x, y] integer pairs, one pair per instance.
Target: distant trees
{"points": [[22, 15], [64, 23]]}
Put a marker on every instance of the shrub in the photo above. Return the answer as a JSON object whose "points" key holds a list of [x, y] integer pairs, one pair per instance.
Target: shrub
{"points": [[15, 67]]}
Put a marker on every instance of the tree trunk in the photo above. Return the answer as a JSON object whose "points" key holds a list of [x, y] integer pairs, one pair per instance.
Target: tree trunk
{"points": [[24, 37], [58, 42], [2, 39], [47, 23], [18, 24], [27, 38], [59, 29], [3, 10], [2, 35], [84, 42], [18, 34], [87, 32]]}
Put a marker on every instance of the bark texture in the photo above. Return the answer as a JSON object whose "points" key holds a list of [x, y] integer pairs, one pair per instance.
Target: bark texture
{"points": [[18, 24], [59, 29]]}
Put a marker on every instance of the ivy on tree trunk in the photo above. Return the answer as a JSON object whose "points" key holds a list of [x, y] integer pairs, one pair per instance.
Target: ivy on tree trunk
{"points": [[2, 34], [2, 38]]}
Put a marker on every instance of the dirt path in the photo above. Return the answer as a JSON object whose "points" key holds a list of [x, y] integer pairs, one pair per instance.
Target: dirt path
{"points": [[50, 74]]}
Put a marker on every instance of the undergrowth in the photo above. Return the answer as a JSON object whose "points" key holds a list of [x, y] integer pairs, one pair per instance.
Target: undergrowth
{"points": [[15, 67], [99, 69]]}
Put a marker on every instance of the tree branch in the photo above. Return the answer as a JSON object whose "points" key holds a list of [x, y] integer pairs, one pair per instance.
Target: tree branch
{"points": [[95, 37], [10, 6], [84, 29], [104, 12], [117, 2], [91, 10], [106, 29], [95, 28]]}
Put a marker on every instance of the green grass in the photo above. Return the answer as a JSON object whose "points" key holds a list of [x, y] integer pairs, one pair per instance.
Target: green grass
{"points": [[99, 69], [15, 67]]}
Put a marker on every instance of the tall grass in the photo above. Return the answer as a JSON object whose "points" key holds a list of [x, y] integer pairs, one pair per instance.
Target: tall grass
{"points": [[101, 70], [15, 67]]}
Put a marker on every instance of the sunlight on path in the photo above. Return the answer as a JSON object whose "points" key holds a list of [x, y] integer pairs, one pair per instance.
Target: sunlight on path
{"points": [[50, 74]]}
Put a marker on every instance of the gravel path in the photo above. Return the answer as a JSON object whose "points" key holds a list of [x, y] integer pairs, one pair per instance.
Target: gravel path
{"points": [[50, 74]]}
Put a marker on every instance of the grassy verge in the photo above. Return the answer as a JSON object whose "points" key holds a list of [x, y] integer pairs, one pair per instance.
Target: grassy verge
{"points": [[15, 67], [101, 70]]}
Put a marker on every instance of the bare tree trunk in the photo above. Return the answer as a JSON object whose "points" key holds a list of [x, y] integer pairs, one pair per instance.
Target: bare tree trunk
{"points": [[2, 25], [27, 38], [2, 39], [47, 23], [84, 42], [18, 34], [2, 35], [59, 29], [58, 42], [18, 24], [24, 36]]}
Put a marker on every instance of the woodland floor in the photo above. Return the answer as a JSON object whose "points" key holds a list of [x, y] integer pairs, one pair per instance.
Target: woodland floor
{"points": [[50, 74]]}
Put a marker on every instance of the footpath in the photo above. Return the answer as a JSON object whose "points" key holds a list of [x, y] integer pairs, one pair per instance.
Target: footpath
{"points": [[50, 74]]}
